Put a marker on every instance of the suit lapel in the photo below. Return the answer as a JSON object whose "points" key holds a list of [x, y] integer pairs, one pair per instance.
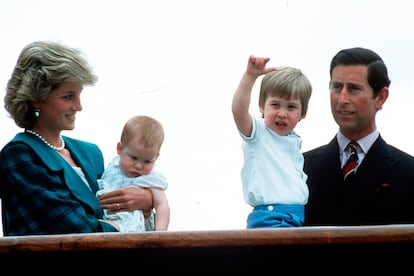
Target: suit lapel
{"points": [[56, 163], [77, 156], [379, 162]]}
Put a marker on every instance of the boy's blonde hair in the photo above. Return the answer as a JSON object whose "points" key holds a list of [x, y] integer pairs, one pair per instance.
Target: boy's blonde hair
{"points": [[287, 83]]}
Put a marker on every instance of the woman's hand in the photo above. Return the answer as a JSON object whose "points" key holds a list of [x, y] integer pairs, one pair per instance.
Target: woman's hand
{"points": [[126, 199]]}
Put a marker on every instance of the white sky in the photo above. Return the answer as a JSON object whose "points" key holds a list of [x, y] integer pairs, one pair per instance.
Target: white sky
{"points": [[180, 62]]}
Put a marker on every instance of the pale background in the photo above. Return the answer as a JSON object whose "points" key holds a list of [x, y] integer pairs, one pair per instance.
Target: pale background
{"points": [[180, 62]]}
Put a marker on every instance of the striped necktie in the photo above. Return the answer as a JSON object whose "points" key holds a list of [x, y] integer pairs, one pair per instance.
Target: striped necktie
{"points": [[352, 162]]}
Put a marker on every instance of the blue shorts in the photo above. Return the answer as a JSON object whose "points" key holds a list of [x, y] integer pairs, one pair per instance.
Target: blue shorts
{"points": [[276, 215]]}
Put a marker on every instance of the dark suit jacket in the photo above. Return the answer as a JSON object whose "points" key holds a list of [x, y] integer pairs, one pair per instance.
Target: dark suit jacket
{"points": [[381, 191], [42, 194]]}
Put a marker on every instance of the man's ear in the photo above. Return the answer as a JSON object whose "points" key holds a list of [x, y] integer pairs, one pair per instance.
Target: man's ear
{"points": [[382, 97]]}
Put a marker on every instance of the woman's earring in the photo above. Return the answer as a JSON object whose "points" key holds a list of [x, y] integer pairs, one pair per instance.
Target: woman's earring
{"points": [[37, 112]]}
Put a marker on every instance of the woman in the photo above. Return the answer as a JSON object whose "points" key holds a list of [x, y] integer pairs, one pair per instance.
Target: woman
{"points": [[48, 181]]}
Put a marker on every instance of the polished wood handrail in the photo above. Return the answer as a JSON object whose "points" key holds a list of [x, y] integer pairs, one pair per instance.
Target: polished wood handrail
{"points": [[211, 239], [287, 251]]}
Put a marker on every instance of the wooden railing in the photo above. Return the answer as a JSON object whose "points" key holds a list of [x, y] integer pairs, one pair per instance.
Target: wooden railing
{"points": [[305, 249]]}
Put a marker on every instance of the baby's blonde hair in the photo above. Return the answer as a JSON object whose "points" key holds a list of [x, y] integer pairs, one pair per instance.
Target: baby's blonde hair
{"points": [[143, 129]]}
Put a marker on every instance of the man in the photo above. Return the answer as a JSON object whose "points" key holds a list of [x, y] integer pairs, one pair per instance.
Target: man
{"points": [[381, 189]]}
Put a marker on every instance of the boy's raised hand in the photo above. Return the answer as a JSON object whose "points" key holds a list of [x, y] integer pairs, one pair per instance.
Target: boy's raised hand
{"points": [[256, 66]]}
